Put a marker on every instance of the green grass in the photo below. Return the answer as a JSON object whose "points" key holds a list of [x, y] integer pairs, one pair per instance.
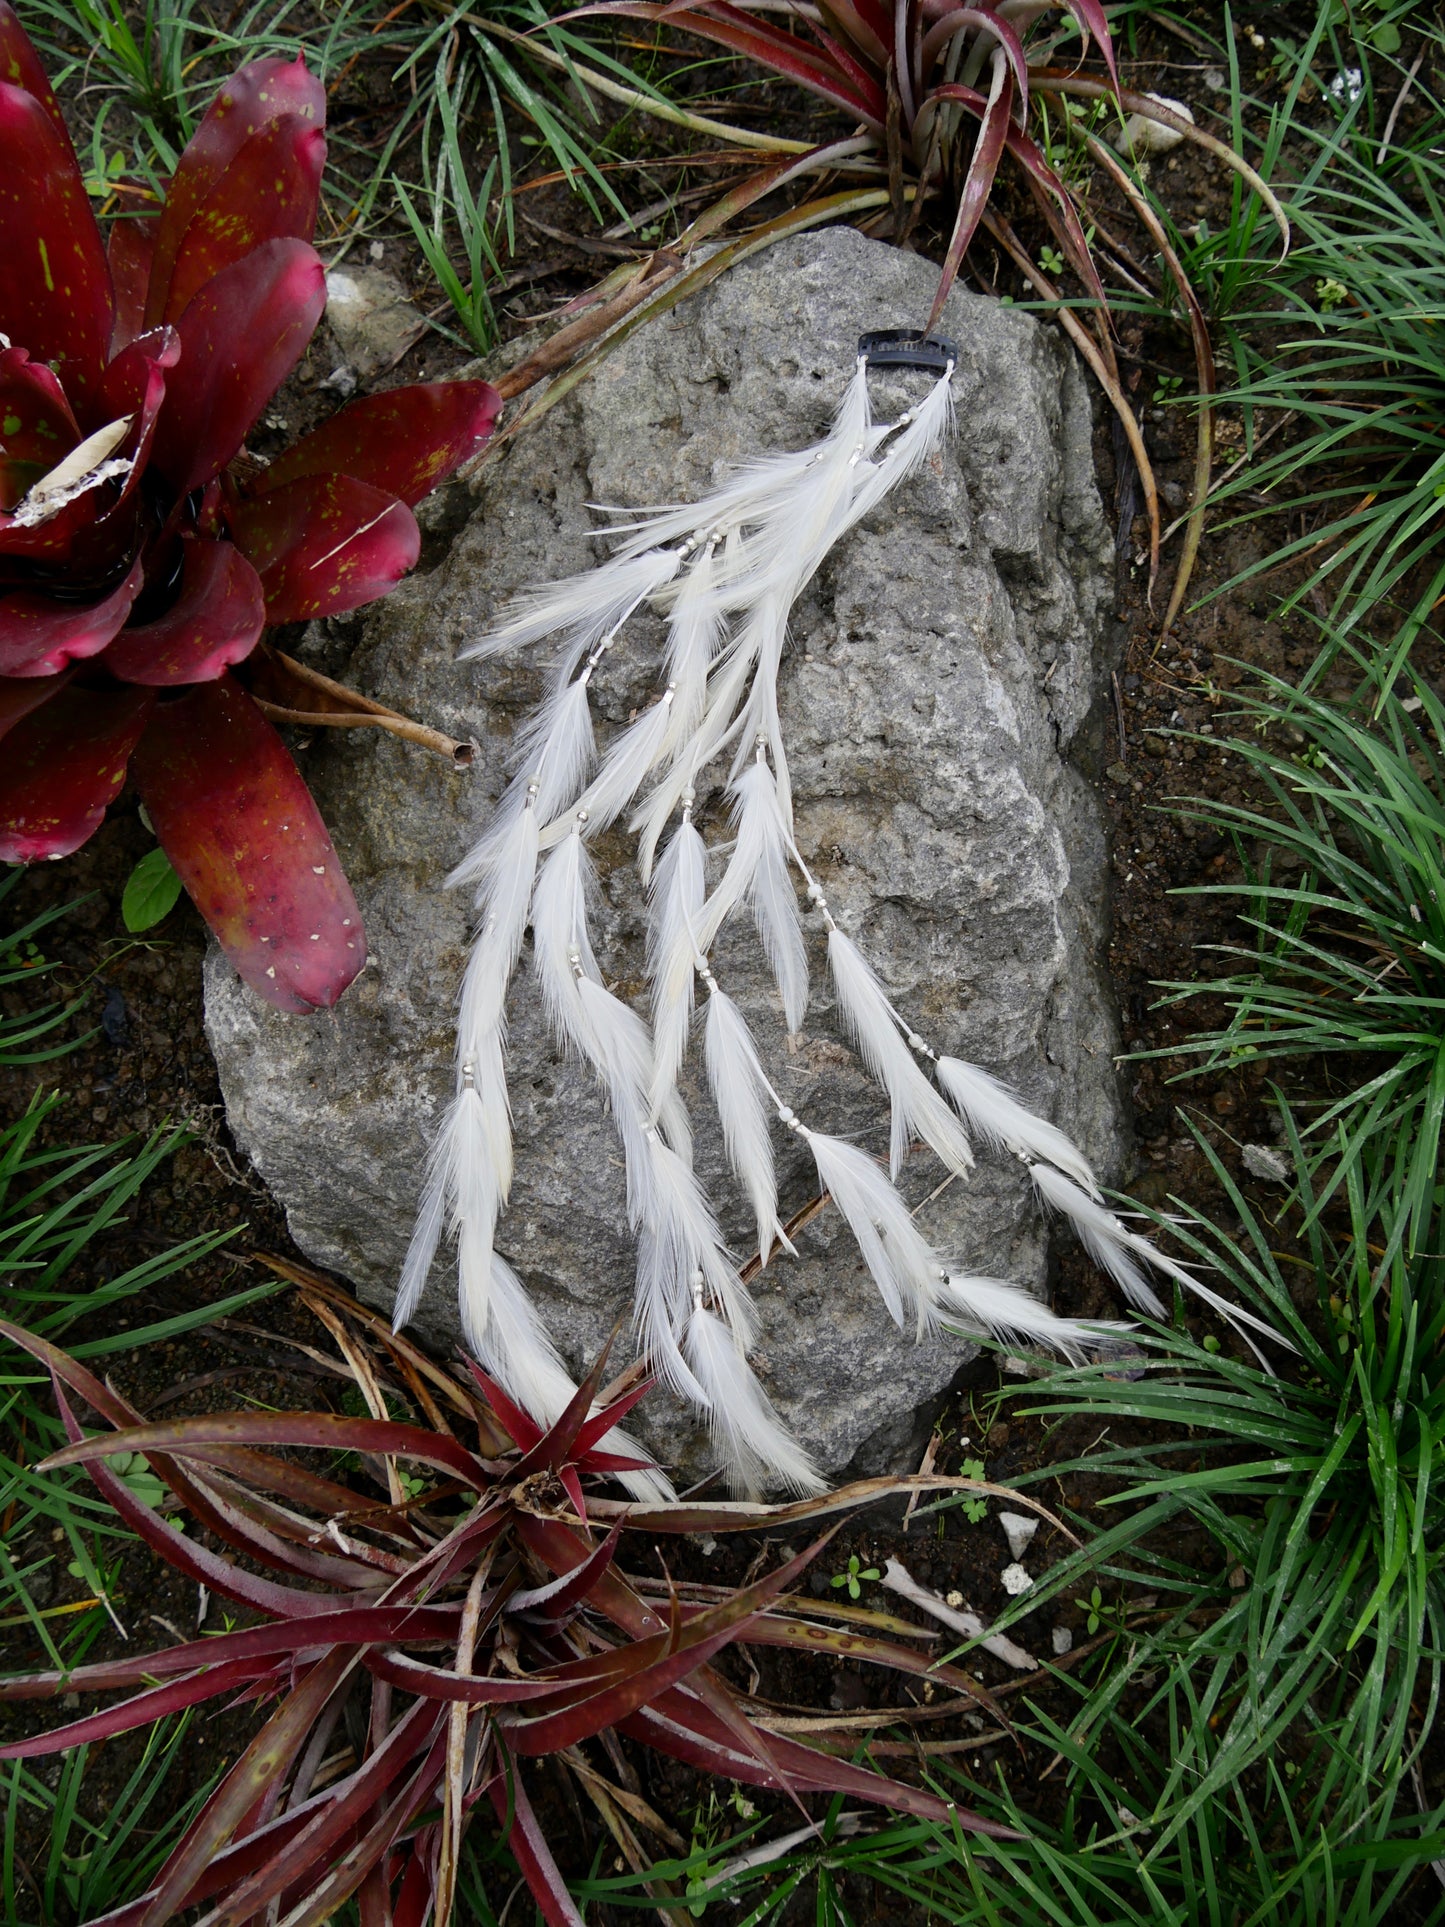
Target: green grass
{"points": [[1343, 898]]}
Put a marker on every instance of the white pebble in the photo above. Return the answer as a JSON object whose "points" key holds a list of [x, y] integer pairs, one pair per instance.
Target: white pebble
{"points": [[1018, 1528], [1063, 1641], [1015, 1580], [1141, 136]]}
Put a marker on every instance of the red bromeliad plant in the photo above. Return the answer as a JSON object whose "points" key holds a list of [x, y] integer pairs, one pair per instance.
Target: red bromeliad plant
{"points": [[142, 553], [479, 1624]]}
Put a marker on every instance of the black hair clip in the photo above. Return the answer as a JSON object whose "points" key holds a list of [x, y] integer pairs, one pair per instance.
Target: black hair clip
{"points": [[907, 348]]}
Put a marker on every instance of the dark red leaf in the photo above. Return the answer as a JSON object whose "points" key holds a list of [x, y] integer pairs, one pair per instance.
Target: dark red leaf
{"points": [[1095, 23], [241, 336], [990, 23], [323, 1429], [63, 768], [216, 620], [470, 1689], [36, 425], [523, 1428], [405, 441], [529, 1848], [237, 821], [759, 40], [17, 699], [141, 1710], [324, 544], [20, 67], [135, 384], [130, 250], [977, 186], [257, 94], [55, 294], [264, 1761], [269, 192], [561, 1594], [611, 1415], [346, 1625], [39, 636]]}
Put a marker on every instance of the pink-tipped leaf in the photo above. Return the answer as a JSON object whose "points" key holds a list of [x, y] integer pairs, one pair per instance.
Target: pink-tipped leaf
{"points": [[241, 336], [63, 767], [39, 636], [215, 621], [36, 425], [237, 821], [55, 297], [264, 91], [324, 544], [405, 441]]}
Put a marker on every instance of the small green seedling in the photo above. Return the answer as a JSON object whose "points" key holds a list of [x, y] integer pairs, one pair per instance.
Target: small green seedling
{"points": [[975, 1510], [854, 1575]]}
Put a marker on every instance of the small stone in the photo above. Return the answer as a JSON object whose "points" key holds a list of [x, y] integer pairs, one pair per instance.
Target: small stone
{"points": [[1063, 1641], [1264, 1162], [1117, 773], [1015, 1580], [1141, 136], [368, 312], [953, 1600], [1018, 1528]]}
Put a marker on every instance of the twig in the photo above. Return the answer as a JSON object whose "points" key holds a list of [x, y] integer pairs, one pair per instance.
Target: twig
{"points": [[897, 1578], [1400, 99]]}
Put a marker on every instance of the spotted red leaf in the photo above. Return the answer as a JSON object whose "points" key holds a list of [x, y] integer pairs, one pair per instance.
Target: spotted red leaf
{"points": [[405, 440], [63, 767], [260, 93], [40, 635], [130, 250], [36, 425], [241, 336], [237, 821], [215, 620], [20, 67], [270, 191], [55, 297], [18, 699], [325, 543]]}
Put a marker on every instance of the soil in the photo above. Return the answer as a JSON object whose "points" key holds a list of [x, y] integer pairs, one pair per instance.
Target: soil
{"points": [[146, 1065]]}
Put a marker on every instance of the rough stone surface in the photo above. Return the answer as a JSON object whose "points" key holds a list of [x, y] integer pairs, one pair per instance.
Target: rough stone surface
{"points": [[368, 312], [936, 700]]}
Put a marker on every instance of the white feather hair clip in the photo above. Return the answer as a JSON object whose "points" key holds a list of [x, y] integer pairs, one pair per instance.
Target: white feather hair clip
{"points": [[725, 572]]}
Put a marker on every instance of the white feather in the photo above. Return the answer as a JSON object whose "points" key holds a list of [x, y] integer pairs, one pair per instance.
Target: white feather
{"points": [[726, 687], [679, 886], [905, 1268], [687, 1248], [754, 1444], [584, 608], [559, 927], [1007, 1313], [515, 1348], [694, 634], [1105, 1239], [1001, 1120], [504, 896], [869, 1019], [932, 421], [740, 1094], [555, 750], [625, 768], [758, 873]]}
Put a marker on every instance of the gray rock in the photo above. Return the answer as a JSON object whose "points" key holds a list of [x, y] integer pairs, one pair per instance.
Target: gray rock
{"points": [[935, 701], [374, 323]]}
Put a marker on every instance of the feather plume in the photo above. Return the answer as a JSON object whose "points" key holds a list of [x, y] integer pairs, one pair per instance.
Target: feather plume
{"points": [[726, 687], [686, 1248], [758, 873], [679, 886], [694, 634], [584, 608], [869, 1019], [739, 1091], [1113, 1246], [559, 928], [905, 1268], [754, 1444], [625, 768], [515, 1348], [504, 896], [1002, 1121], [555, 750], [1005, 1312], [915, 443], [460, 1193]]}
